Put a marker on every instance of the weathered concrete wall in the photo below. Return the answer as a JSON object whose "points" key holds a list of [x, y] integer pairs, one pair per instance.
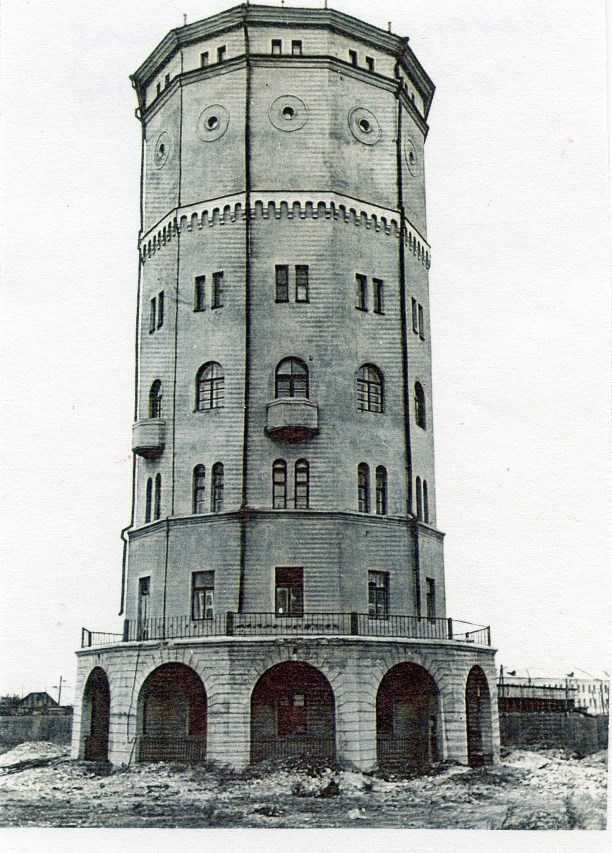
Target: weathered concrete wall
{"points": [[19, 729], [574, 731]]}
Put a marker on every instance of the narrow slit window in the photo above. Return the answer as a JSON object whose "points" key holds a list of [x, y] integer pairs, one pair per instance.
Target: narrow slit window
{"points": [[155, 400], [282, 284], [363, 487], [353, 57], [158, 497], [425, 502], [361, 285], [277, 47], [204, 59], [152, 313], [381, 490], [149, 500], [420, 414], [430, 598], [419, 499], [217, 294], [199, 293], [279, 484], [379, 296], [296, 47], [221, 53], [415, 316], [301, 283], [199, 484], [421, 323], [217, 487], [369, 63], [158, 89], [160, 309], [302, 484]]}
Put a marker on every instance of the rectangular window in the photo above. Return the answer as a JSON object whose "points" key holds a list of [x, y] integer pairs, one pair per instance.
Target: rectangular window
{"points": [[160, 309], [202, 595], [421, 324], [370, 63], [221, 53], [296, 48], [159, 88], [199, 293], [144, 589], [301, 485], [277, 47], [379, 296], [361, 283], [217, 294], [204, 59], [166, 80], [353, 57], [289, 594], [431, 598], [152, 313], [378, 595], [279, 484], [282, 284], [415, 316], [301, 284]]}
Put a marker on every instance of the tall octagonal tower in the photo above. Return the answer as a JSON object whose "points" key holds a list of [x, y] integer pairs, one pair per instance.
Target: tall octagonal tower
{"points": [[283, 585]]}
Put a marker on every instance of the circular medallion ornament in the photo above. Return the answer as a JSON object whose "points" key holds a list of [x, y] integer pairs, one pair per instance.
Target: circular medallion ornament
{"points": [[161, 151], [212, 123], [410, 153], [288, 113], [364, 126]]}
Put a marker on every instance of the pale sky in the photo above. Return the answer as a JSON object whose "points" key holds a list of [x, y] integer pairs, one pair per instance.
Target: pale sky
{"points": [[517, 210]]}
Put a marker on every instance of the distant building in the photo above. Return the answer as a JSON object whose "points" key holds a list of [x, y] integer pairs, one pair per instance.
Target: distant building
{"points": [[592, 694], [36, 703], [589, 695]]}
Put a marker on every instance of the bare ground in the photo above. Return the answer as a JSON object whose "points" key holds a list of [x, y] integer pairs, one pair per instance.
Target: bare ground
{"points": [[549, 789]]}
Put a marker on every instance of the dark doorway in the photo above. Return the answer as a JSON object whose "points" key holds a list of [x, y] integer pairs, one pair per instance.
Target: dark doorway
{"points": [[172, 716], [293, 714], [407, 719], [96, 715], [478, 719]]}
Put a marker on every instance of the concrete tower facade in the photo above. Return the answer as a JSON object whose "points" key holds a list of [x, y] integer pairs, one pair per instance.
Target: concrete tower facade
{"points": [[283, 585]]}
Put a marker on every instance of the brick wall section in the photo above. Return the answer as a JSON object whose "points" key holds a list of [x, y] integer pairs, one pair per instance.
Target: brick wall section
{"points": [[230, 669], [574, 731]]}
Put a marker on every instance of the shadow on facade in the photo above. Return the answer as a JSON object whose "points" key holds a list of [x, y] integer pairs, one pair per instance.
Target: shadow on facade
{"points": [[478, 717], [172, 716], [407, 718], [292, 714], [96, 715]]}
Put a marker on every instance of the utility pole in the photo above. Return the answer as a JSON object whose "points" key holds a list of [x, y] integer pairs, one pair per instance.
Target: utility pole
{"points": [[58, 687]]}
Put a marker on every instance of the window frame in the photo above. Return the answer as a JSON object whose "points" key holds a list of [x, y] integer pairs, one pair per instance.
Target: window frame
{"points": [[368, 398], [302, 284], [155, 399], [276, 47], [217, 487], [210, 391], [381, 488], [420, 406], [419, 499], [222, 53], [293, 586], [204, 59], [297, 47], [353, 58], [415, 321], [363, 488], [152, 314], [206, 585], [430, 598], [361, 286], [281, 288], [149, 500], [157, 498], [218, 289], [160, 309], [421, 322], [425, 502], [289, 377], [279, 485], [378, 295], [301, 484], [378, 594], [199, 293], [370, 63], [198, 490]]}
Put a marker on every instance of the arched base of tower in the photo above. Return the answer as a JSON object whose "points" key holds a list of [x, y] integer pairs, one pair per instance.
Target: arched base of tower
{"points": [[359, 702]]}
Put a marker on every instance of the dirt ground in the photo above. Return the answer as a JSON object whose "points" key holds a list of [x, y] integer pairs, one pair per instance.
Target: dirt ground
{"points": [[549, 789]]}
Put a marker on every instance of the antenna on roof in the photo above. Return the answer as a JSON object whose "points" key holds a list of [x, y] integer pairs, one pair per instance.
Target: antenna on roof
{"points": [[184, 19], [389, 26], [325, 4]]}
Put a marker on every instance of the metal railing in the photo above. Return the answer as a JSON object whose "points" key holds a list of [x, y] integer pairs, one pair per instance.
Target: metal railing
{"points": [[275, 747], [307, 624], [185, 748]]}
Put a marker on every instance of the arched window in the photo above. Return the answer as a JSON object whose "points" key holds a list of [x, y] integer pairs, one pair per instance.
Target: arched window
{"points": [[291, 378], [419, 499], [369, 389], [363, 487], [210, 387], [425, 503], [199, 483], [381, 490], [216, 497], [419, 406], [301, 484], [279, 484], [149, 500], [155, 400], [157, 506]]}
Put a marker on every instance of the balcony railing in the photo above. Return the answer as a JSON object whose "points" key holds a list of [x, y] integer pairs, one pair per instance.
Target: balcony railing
{"points": [[276, 747], [186, 748], [232, 624]]}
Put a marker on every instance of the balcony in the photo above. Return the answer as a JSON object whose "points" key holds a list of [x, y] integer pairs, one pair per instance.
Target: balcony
{"points": [[148, 437], [308, 624], [292, 419]]}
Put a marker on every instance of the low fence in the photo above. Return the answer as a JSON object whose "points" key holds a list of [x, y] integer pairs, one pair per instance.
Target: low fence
{"points": [[56, 728], [572, 731]]}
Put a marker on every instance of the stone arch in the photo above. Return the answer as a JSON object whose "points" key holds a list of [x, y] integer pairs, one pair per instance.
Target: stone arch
{"points": [[95, 715], [408, 718], [479, 720], [172, 713], [293, 713]]}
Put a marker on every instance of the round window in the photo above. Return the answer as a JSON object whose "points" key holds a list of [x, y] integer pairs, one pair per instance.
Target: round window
{"points": [[212, 123], [364, 126], [161, 151], [288, 113], [411, 157]]}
